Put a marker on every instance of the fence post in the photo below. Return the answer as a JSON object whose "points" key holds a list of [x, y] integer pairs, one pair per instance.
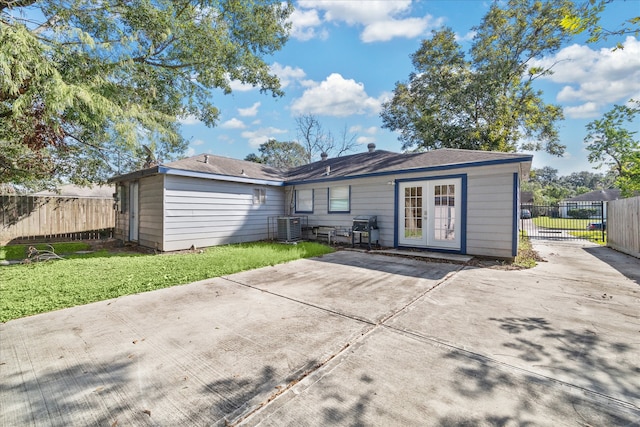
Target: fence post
{"points": [[602, 220]]}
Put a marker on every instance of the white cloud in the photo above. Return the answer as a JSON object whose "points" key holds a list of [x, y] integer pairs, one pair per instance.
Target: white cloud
{"points": [[584, 111], [190, 152], [249, 112], [233, 124], [189, 120], [467, 37], [365, 139], [336, 96], [287, 74], [382, 20], [238, 86], [304, 25], [595, 77], [357, 12], [371, 130], [197, 142], [389, 29], [261, 136]]}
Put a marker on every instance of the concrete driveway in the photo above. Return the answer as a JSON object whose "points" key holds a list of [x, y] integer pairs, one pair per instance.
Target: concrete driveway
{"points": [[347, 339]]}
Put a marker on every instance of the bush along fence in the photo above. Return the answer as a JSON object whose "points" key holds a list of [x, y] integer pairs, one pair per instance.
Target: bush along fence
{"points": [[37, 218]]}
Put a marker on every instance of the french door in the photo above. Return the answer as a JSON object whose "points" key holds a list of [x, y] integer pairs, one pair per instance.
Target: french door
{"points": [[430, 213]]}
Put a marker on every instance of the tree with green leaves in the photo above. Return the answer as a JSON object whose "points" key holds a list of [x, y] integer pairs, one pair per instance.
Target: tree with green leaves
{"points": [[610, 142], [486, 101], [83, 85], [279, 154], [587, 18]]}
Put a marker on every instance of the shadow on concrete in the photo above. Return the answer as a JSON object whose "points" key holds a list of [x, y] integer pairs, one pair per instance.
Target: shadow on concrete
{"points": [[349, 411], [583, 358], [626, 264], [602, 365], [53, 395], [239, 396]]}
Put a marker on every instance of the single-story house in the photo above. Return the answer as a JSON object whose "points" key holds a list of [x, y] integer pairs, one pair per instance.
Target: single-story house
{"points": [[593, 200], [451, 200]]}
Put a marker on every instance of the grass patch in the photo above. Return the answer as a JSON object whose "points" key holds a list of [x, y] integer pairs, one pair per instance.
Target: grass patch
{"points": [[27, 289], [19, 252], [563, 223], [527, 257], [594, 236]]}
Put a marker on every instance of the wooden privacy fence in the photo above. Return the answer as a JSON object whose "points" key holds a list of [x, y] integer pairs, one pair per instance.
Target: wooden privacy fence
{"points": [[25, 218], [623, 225]]}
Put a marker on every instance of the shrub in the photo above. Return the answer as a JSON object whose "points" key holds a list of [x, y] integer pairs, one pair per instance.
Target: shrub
{"points": [[582, 213]]}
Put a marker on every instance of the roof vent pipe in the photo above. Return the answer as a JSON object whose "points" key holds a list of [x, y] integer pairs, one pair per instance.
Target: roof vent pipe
{"points": [[371, 147], [206, 158], [327, 170], [324, 156]]}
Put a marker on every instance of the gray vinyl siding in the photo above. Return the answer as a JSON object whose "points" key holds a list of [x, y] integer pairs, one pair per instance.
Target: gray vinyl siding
{"points": [[150, 208], [204, 213], [489, 205], [490, 210], [369, 196]]}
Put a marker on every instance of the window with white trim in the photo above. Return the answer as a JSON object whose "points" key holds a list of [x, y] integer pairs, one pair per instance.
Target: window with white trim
{"points": [[304, 201], [259, 196], [339, 199]]}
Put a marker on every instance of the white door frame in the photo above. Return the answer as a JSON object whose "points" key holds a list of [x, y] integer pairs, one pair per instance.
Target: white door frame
{"points": [[430, 213]]}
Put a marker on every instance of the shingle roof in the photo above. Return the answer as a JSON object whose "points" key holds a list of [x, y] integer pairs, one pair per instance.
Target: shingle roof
{"points": [[385, 161], [354, 165], [226, 166], [597, 196]]}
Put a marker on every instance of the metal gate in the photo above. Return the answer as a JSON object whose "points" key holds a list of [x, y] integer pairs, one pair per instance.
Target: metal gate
{"points": [[564, 221]]}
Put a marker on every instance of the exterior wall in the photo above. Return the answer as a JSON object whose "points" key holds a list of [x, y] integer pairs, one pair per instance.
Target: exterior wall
{"points": [[490, 205], [369, 196], [150, 209], [150, 204], [204, 212]]}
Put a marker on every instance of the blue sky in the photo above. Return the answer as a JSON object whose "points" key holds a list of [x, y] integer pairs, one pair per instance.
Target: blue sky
{"points": [[345, 56]]}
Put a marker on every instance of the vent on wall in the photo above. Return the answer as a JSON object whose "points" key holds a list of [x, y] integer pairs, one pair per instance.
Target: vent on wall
{"points": [[289, 229]]}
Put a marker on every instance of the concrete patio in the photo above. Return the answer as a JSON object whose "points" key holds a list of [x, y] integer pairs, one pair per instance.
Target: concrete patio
{"points": [[347, 339]]}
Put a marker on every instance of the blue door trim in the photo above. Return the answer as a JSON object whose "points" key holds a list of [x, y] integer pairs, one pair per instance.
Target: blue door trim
{"points": [[463, 211]]}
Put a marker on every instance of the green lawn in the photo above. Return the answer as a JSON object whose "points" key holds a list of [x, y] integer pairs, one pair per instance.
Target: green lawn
{"points": [[27, 289], [562, 223], [19, 252], [591, 235], [576, 227]]}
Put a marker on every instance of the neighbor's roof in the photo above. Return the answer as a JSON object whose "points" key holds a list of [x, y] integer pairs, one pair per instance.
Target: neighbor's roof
{"points": [[355, 165], [380, 162], [597, 196], [70, 190]]}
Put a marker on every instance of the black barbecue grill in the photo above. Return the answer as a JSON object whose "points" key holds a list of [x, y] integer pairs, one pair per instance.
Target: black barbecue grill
{"points": [[365, 226]]}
